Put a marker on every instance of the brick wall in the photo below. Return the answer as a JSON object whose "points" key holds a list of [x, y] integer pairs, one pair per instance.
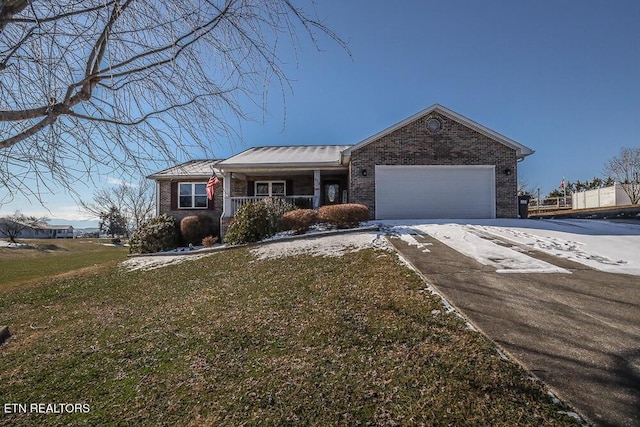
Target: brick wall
{"points": [[414, 144]]}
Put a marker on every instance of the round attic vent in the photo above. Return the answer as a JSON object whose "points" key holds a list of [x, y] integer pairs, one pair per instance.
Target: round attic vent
{"points": [[434, 125]]}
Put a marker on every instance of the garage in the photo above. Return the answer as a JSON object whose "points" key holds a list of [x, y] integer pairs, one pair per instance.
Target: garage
{"points": [[417, 191]]}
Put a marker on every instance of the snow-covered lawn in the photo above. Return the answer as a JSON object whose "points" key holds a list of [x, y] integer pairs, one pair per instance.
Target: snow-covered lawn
{"points": [[599, 244], [603, 245]]}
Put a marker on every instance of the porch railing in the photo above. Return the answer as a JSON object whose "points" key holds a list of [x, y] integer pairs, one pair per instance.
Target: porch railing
{"points": [[550, 204], [298, 201]]}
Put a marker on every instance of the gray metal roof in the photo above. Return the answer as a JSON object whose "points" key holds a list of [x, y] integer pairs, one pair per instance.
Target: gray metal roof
{"points": [[287, 157], [190, 169]]}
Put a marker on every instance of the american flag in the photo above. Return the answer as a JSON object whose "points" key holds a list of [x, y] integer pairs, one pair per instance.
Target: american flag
{"points": [[211, 186]]}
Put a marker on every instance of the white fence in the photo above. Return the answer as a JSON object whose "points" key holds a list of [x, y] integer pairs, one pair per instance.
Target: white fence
{"points": [[602, 197]]}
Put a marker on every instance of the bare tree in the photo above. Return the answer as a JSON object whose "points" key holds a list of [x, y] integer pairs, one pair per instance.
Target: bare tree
{"points": [[90, 86], [12, 225], [625, 169], [135, 202]]}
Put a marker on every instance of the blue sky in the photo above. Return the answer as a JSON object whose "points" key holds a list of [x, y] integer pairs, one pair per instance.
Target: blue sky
{"points": [[561, 77]]}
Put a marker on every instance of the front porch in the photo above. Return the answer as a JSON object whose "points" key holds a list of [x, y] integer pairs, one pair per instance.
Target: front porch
{"points": [[300, 202], [303, 189]]}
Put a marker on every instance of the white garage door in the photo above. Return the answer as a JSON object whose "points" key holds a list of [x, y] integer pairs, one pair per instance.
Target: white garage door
{"points": [[404, 192]]}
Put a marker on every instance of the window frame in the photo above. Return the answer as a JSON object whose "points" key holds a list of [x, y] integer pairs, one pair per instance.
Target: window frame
{"points": [[193, 195], [270, 186]]}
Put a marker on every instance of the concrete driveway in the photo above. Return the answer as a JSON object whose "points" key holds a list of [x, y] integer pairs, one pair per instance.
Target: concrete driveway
{"points": [[579, 332]]}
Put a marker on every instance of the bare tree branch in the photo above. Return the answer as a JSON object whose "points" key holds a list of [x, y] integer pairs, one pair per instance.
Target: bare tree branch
{"points": [[96, 86]]}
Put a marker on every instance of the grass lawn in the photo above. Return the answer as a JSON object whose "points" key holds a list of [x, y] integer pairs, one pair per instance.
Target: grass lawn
{"points": [[49, 257], [231, 340]]}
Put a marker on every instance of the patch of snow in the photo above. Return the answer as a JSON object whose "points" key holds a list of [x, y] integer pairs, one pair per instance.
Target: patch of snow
{"points": [[8, 244], [151, 262], [328, 246]]}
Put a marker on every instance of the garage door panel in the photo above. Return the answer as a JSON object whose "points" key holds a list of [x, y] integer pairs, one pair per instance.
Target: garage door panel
{"points": [[435, 192]]}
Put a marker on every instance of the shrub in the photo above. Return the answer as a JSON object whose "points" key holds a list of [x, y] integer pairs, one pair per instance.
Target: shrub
{"points": [[194, 228], [298, 220], [256, 221], [209, 241], [346, 215], [158, 234]]}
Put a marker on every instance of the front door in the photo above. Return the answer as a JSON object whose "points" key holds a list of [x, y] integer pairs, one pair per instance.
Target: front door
{"points": [[331, 192]]}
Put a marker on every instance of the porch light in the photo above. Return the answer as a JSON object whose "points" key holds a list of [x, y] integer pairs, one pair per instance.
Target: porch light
{"points": [[364, 172], [507, 171]]}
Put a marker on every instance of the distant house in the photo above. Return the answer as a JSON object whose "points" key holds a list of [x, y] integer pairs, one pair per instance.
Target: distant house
{"points": [[44, 231], [434, 164]]}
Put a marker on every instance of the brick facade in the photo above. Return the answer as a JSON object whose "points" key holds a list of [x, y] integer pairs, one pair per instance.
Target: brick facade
{"points": [[454, 144]]}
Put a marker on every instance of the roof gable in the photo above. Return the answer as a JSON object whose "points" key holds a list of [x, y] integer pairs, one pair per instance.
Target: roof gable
{"points": [[521, 150]]}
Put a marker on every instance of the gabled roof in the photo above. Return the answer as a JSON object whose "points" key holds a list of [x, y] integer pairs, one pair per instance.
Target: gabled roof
{"points": [[287, 157], [200, 169], [521, 150]]}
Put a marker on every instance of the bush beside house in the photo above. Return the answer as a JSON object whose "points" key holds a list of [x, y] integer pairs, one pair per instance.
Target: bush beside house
{"points": [[346, 215], [158, 234], [256, 221], [195, 228], [253, 222], [299, 220]]}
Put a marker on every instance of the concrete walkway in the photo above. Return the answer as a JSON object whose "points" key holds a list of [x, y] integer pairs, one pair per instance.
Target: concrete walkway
{"points": [[579, 332]]}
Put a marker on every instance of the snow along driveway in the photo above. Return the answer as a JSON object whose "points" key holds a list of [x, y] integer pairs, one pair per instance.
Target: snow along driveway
{"points": [[603, 245]]}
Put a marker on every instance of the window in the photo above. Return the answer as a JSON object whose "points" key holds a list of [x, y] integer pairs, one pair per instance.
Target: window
{"points": [[192, 195], [270, 188]]}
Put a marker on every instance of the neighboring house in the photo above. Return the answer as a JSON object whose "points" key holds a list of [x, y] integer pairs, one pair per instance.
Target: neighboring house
{"points": [[434, 164], [43, 231]]}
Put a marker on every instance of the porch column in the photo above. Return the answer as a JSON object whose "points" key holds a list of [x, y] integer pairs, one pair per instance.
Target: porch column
{"points": [[316, 189], [227, 209]]}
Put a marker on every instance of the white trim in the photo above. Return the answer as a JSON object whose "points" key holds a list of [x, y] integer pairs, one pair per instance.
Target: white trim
{"points": [[521, 150]]}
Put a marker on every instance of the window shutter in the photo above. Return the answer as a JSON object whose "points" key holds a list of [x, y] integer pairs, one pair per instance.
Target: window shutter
{"points": [[289, 188], [250, 188], [174, 195]]}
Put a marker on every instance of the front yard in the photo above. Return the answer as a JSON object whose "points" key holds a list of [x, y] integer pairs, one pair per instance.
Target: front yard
{"points": [[230, 339]]}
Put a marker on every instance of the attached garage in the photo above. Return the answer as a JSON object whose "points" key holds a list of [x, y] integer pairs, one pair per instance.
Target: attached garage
{"points": [[435, 191]]}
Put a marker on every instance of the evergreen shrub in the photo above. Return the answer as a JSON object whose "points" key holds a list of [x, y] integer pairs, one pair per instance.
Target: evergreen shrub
{"points": [[256, 221], [156, 235]]}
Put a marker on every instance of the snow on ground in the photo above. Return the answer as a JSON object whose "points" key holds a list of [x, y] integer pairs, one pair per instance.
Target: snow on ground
{"points": [[334, 245], [156, 261], [599, 244], [501, 243], [464, 240], [8, 244]]}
